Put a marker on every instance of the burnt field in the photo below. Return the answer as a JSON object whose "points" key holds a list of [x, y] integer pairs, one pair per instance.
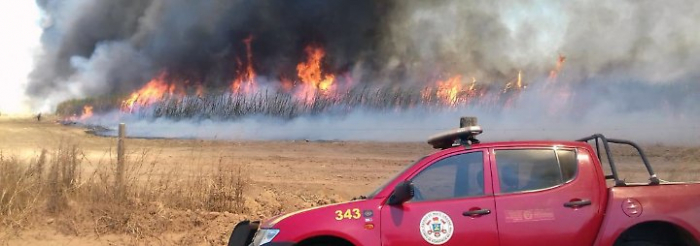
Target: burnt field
{"points": [[58, 183]]}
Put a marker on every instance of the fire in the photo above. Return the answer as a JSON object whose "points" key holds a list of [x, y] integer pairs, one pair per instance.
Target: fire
{"points": [[313, 82], [245, 77], [453, 91], [448, 90], [286, 84], [559, 92], [555, 72], [153, 91], [472, 87], [87, 112], [312, 77], [515, 85], [199, 91]]}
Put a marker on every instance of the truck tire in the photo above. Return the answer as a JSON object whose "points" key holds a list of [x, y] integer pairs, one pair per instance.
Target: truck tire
{"points": [[331, 243], [327, 241]]}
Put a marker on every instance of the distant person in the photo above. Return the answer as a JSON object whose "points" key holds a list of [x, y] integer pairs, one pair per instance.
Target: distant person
{"points": [[38, 117]]}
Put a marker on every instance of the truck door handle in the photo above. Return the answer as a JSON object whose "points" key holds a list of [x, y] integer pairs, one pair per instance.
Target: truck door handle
{"points": [[577, 203], [477, 212]]}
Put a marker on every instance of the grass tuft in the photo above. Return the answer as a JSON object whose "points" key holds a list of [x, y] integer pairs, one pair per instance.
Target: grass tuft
{"points": [[65, 187]]}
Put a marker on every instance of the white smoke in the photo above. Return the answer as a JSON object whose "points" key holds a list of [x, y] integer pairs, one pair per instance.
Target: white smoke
{"points": [[648, 41], [21, 31]]}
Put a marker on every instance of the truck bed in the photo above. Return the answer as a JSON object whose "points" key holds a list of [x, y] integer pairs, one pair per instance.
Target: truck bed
{"points": [[676, 203]]}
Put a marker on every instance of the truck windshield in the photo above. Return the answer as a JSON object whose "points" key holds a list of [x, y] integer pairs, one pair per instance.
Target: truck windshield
{"points": [[381, 187]]}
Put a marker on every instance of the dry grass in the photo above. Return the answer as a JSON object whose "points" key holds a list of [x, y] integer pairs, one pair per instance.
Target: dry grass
{"points": [[62, 188], [21, 186], [670, 163]]}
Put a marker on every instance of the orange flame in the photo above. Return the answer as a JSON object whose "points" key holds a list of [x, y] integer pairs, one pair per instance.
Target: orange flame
{"points": [[473, 85], [245, 79], [561, 93], [312, 76], [516, 85], [510, 99], [87, 112], [448, 90], [153, 91], [555, 72], [199, 90], [286, 84], [452, 91]]}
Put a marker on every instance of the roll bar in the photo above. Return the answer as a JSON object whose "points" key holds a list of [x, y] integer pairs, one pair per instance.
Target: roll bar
{"points": [[599, 138]]}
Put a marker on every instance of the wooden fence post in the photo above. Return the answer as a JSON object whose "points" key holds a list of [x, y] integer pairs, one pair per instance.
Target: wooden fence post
{"points": [[119, 179]]}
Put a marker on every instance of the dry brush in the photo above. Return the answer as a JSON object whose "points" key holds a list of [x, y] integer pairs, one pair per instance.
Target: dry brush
{"points": [[63, 189]]}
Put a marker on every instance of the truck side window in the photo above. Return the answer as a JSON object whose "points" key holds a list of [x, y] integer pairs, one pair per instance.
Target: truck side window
{"points": [[568, 163], [455, 176], [534, 169]]}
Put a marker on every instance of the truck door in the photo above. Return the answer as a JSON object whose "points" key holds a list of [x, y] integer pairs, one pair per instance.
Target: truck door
{"points": [[546, 197], [451, 206]]}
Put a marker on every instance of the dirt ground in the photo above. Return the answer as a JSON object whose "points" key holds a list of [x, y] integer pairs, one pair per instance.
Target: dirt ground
{"points": [[284, 175]]}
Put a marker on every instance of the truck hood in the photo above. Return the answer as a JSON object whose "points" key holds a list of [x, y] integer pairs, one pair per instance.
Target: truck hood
{"points": [[272, 221]]}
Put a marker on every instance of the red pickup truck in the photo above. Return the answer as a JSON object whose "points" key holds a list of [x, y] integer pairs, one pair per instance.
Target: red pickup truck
{"points": [[502, 193]]}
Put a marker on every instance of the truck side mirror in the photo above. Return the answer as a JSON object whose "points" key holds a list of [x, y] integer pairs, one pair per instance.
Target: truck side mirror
{"points": [[402, 193]]}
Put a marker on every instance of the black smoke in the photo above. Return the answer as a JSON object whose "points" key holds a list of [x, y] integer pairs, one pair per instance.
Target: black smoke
{"points": [[115, 46], [634, 55]]}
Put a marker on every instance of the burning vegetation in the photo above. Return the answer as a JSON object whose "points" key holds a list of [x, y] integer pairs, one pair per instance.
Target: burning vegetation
{"points": [[314, 90], [287, 59]]}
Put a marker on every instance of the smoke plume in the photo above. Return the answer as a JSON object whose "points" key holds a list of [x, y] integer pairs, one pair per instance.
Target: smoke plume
{"points": [[624, 60]]}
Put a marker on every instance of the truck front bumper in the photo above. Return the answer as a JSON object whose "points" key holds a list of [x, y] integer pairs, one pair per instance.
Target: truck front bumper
{"points": [[243, 233]]}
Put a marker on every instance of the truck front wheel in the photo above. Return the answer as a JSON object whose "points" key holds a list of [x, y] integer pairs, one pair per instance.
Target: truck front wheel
{"points": [[325, 241], [642, 243], [330, 244]]}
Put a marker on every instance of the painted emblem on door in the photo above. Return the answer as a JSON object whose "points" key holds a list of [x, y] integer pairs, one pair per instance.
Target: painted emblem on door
{"points": [[436, 227]]}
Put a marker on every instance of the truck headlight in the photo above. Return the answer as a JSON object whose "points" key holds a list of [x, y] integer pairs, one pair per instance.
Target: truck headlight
{"points": [[264, 236]]}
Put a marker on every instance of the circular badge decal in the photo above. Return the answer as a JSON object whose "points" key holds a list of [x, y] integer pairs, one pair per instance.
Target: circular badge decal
{"points": [[436, 227]]}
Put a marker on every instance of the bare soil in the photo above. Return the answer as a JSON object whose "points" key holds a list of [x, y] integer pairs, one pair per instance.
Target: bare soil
{"points": [[283, 176]]}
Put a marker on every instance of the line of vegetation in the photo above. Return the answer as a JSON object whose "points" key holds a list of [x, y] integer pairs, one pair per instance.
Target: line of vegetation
{"points": [[284, 105]]}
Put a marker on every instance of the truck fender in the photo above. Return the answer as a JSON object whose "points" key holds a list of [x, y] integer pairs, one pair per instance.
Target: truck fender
{"points": [[660, 230], [243, 233], [327, 235], [325, 240]]}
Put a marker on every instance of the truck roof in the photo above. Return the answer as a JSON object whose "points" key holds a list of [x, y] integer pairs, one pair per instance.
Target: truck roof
{"points": [[516, 144], [532, 143], [465, 136]]}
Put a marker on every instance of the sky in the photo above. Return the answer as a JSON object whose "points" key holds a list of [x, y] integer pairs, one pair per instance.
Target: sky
{"points": [[21, 32]]}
